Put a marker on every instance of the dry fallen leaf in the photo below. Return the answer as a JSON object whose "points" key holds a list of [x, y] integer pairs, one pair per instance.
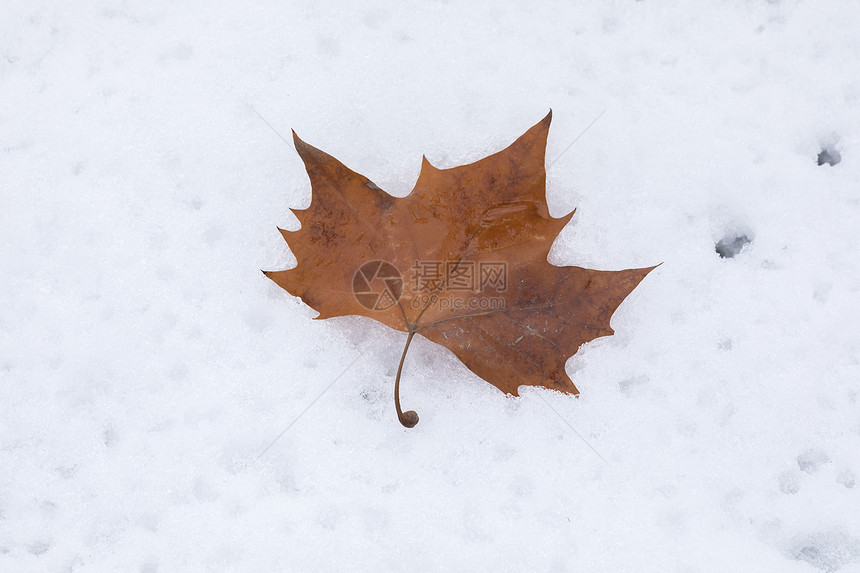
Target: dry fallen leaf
{"points": [[461, 260]]}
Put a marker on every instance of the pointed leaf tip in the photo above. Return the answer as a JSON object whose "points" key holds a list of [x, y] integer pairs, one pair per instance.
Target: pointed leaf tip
{"points": [[297, 141], [303, 148], [538, 133], [426, 166]]}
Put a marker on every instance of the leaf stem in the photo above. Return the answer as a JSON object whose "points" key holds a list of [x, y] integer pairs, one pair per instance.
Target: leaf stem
{"points": [[409, 418]]}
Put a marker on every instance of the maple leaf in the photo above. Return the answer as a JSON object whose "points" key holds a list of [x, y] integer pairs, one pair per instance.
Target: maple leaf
{"points": [[461, 260]]}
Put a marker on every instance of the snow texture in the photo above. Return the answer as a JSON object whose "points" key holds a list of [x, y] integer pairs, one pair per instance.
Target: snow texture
{"points": [[145, 362]]}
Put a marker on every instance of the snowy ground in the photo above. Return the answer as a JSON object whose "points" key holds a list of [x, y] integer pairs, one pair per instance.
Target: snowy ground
{"points": [[145, 362]]}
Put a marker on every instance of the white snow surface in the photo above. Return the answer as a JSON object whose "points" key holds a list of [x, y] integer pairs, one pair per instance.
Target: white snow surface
{"points": [[146, 363]]}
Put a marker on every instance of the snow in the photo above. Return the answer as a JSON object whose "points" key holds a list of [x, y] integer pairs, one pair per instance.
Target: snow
{"points": [[146, 363]]}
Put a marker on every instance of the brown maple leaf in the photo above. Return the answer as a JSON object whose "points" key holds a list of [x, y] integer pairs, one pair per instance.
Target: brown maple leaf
{"points": [[461, 260]]}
